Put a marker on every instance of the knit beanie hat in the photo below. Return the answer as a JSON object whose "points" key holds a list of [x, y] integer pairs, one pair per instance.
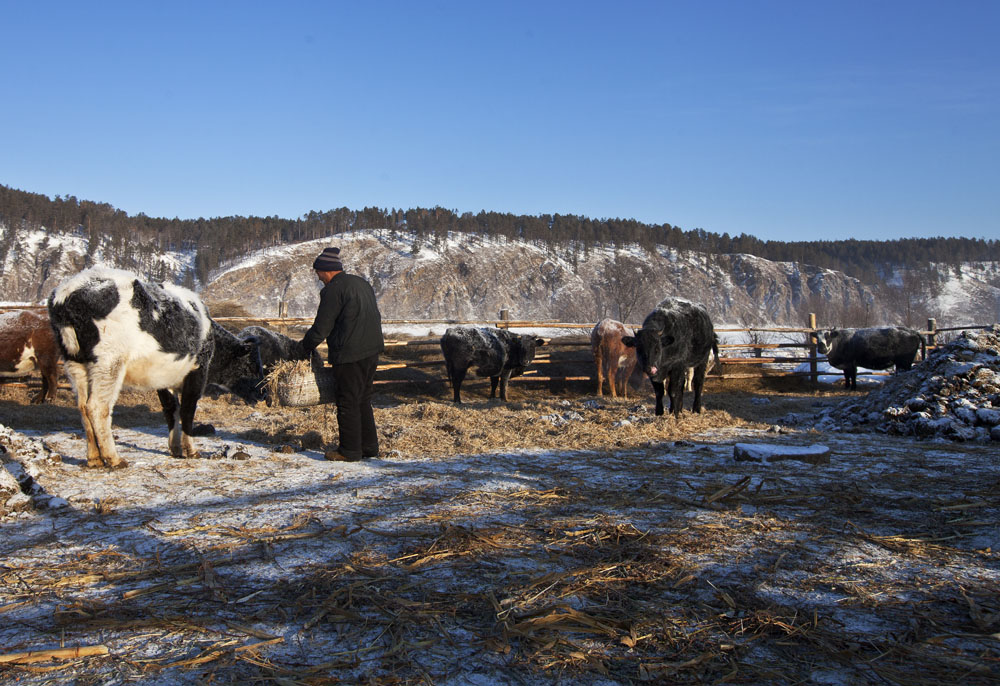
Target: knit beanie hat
{"points": [[329, 261]]}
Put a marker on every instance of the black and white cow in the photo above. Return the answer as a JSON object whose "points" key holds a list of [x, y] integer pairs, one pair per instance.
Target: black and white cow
{"points": [[114, 329], [496, 353], [676, 335], [873, 348]]}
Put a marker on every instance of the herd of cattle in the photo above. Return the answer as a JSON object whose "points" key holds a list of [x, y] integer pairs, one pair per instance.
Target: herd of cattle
{"points": [[113, 329]]}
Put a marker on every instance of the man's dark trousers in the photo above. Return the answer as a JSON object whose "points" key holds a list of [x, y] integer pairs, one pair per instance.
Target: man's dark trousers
{"points": [[355, 419]]}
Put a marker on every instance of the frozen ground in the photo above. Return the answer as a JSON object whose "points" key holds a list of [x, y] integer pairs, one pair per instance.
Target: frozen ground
{"points": [[667, 561]]}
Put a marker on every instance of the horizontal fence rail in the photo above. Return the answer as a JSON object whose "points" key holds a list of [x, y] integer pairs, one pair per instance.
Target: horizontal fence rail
{"points": [[568, 358]]}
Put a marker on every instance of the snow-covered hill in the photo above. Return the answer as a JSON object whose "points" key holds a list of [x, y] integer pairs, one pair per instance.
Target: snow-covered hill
{"points": [[469, 277], [32, 262]]}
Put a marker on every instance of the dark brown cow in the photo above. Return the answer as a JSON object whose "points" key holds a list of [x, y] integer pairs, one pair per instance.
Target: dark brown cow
{"points": [[676, 335], [27, 344], [615, 361]]}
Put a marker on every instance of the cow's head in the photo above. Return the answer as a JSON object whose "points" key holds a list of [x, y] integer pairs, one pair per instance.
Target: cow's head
{"points": [[242, 373], [523, 350], [825, 340], [649, 345]]}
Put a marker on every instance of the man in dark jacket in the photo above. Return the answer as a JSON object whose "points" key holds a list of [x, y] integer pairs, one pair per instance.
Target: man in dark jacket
{"points": [[349, 320]]}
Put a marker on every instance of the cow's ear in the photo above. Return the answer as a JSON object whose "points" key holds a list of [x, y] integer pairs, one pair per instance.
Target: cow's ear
{"points": [[249, 346], [539, 341], [629, 341]]}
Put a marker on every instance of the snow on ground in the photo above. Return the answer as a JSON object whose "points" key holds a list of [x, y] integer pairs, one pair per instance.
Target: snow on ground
{"points": [[657, 563]]}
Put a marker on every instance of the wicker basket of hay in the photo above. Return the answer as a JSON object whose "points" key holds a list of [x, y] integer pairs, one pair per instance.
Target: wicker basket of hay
{"points": [[300, 384]]}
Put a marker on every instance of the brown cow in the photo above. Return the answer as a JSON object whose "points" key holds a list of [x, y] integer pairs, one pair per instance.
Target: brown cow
{"points": [[27, 344], [614, 360]]}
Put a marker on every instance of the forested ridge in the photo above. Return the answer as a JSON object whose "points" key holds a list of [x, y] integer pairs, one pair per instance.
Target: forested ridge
{"points": [[220, 239]]}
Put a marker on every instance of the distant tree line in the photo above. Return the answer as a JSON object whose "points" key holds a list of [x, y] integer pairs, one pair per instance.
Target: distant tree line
{"points": [[219, 240]]}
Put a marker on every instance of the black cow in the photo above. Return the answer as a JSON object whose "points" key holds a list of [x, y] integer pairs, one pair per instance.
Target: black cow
{"points": [[274, 348], [496, 353], [115, 330], [874, 348], [675, 336]]}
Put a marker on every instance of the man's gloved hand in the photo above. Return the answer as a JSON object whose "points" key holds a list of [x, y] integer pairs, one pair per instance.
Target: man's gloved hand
{"points": [[300, 351]]}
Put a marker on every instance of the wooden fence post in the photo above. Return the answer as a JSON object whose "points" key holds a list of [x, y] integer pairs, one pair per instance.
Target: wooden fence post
{"points": [[931, 335], [505, 318], [813, 366]]}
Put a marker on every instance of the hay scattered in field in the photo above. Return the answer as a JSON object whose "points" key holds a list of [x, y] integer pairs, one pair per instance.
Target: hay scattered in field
{"points": [[435, 428]]}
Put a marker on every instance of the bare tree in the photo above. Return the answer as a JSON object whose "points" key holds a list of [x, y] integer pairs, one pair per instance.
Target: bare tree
{"points": [[755, 337], [578, 306], [627, 284], [910, 298]]}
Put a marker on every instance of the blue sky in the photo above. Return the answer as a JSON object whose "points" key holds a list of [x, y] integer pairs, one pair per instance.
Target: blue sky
{"points": [[786, 120]]}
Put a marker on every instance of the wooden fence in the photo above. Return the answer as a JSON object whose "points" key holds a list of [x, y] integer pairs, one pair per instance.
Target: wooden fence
{"points": [[567, 358]]}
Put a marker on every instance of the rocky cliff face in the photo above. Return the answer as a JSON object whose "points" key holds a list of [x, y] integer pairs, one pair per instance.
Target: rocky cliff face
{"points": [[32, 263], [467, 277]]}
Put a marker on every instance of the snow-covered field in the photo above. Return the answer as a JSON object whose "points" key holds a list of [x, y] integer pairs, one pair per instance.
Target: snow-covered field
{"points": [[662, 560]]}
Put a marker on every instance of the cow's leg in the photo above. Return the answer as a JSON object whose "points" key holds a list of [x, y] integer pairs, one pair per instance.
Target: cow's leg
{"points": [[676, 390], [626, 374], [698, 383], [194, 385], [457, 375], [77, 374], [105, 383], [50, 380], [504, 381], [171, 412], [611, 374], [494, 382], [40, 396], [851, 378], [599, 361], [658, 391]]}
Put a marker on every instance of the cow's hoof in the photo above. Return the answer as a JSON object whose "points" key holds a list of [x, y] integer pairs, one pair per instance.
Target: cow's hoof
{"points": [[95, 464], [120, 464], [38, 400]]}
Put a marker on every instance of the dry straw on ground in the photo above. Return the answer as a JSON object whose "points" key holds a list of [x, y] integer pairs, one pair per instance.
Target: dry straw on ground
{"points": [[546, 540]]}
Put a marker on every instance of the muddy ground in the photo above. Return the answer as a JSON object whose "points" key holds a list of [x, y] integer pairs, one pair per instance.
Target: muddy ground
{"points": [[565, 539]]}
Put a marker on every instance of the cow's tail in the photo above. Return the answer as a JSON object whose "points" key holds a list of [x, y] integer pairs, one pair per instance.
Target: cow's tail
{"points": [[715, 350]]}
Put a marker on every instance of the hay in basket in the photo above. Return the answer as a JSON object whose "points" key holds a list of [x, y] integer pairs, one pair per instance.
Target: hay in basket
{"points": [[300, 383]]}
